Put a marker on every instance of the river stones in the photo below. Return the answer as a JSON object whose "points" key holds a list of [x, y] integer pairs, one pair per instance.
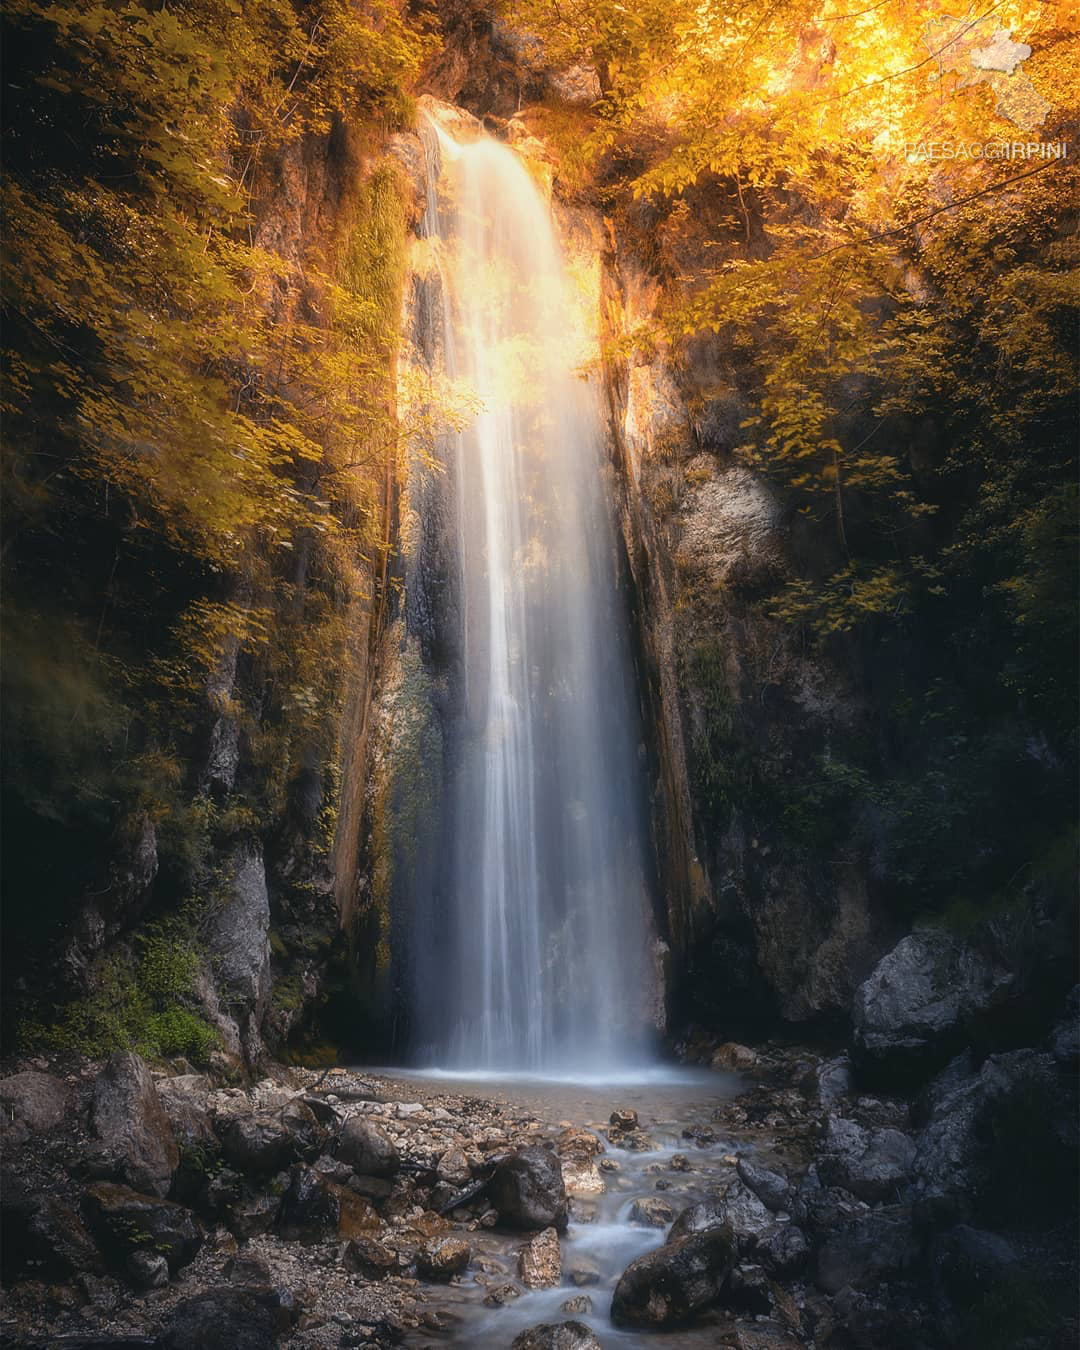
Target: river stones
{"points": [[675, 1282], [651, 1212], [441, 1258], [528, 1190], [258, 1145], [540, 1261], [556, 1336]]}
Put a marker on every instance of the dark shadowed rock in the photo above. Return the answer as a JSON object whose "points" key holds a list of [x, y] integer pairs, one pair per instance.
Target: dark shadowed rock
{"points": [[125, 1221], [782, 1248], [556, 1336], [368, 1257], [253, 1213], [528, 1190], [132, 1137], [258, 1145], [309, 1207], [675, 1282], [1065, 1041], [910, 1013], [146, 1269], [47, 1231], [441, 1258], [309, 1135], [967, 1263], [367, 1148], [773, 1190], [872, 1164], [30, 1102], [227, 1319], [869, 1249], [963, 1158]]}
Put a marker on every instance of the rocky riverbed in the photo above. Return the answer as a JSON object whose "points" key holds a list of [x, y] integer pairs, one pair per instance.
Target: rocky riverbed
{"points": [[760, 1200]]}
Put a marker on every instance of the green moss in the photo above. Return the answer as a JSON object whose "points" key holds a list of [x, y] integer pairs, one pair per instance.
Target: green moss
{"points": [[140, 1001]]}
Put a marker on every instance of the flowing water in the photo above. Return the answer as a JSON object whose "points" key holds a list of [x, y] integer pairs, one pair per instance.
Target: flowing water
{"points": [[603, 1237], [538, 929]]}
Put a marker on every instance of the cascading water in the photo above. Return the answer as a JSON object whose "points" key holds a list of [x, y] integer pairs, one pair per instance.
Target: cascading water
{"points": [[537, 930]]}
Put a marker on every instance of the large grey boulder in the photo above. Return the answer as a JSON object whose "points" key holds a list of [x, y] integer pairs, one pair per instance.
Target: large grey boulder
{"points": [[772, 1189], [912, 1011], [528, 1190], [738, 1211], [367, 1148], [873, 1164], [132, 1139], [675, 1282], [33, 1101], [227, 1318], [258, 1145], [968, 1154]]}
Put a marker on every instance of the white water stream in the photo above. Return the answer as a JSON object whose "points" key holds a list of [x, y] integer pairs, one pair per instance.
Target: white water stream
{"points": [[542, 905]]}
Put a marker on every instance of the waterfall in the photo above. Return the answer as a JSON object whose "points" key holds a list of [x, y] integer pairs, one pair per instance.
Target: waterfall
{"points": [[537, 931]]}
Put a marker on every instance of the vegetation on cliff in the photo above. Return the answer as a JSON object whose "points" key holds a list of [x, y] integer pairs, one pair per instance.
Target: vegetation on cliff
{"points": [[892, 333], [198, 416]]}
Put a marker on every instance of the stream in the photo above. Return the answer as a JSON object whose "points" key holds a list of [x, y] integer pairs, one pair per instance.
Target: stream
{"points": [[602, 1237]]}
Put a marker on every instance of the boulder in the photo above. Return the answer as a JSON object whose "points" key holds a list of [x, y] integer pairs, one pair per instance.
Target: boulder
{"points": [[356, 1217], [308, 1206], [453, 1167], [652, 1212], [871, 1248], [739, 1211], [623, 1118], [32, 1101], [309, 1135], [125, 1221], [872, 1164], [367, 1257], [579, 1303], [968, 1263], [556, 1336], [185, 1101], [772, 1189], [1005, 1131], [258, 1145], [782, 1248], [367, 1148], [540, 1260], [252, 1214], [132, 1139], [675, 1282], [228, 1318], [911, 1013], [528, 1190], [441, 1258], [733, 1057], [47, 1231], [146, 1269]]}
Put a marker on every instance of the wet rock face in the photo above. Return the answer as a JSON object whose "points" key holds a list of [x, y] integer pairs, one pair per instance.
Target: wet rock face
{"points": [[132, 1137], [867, 1251], [528, 1190], [47, 1232], [674, 1283]]}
